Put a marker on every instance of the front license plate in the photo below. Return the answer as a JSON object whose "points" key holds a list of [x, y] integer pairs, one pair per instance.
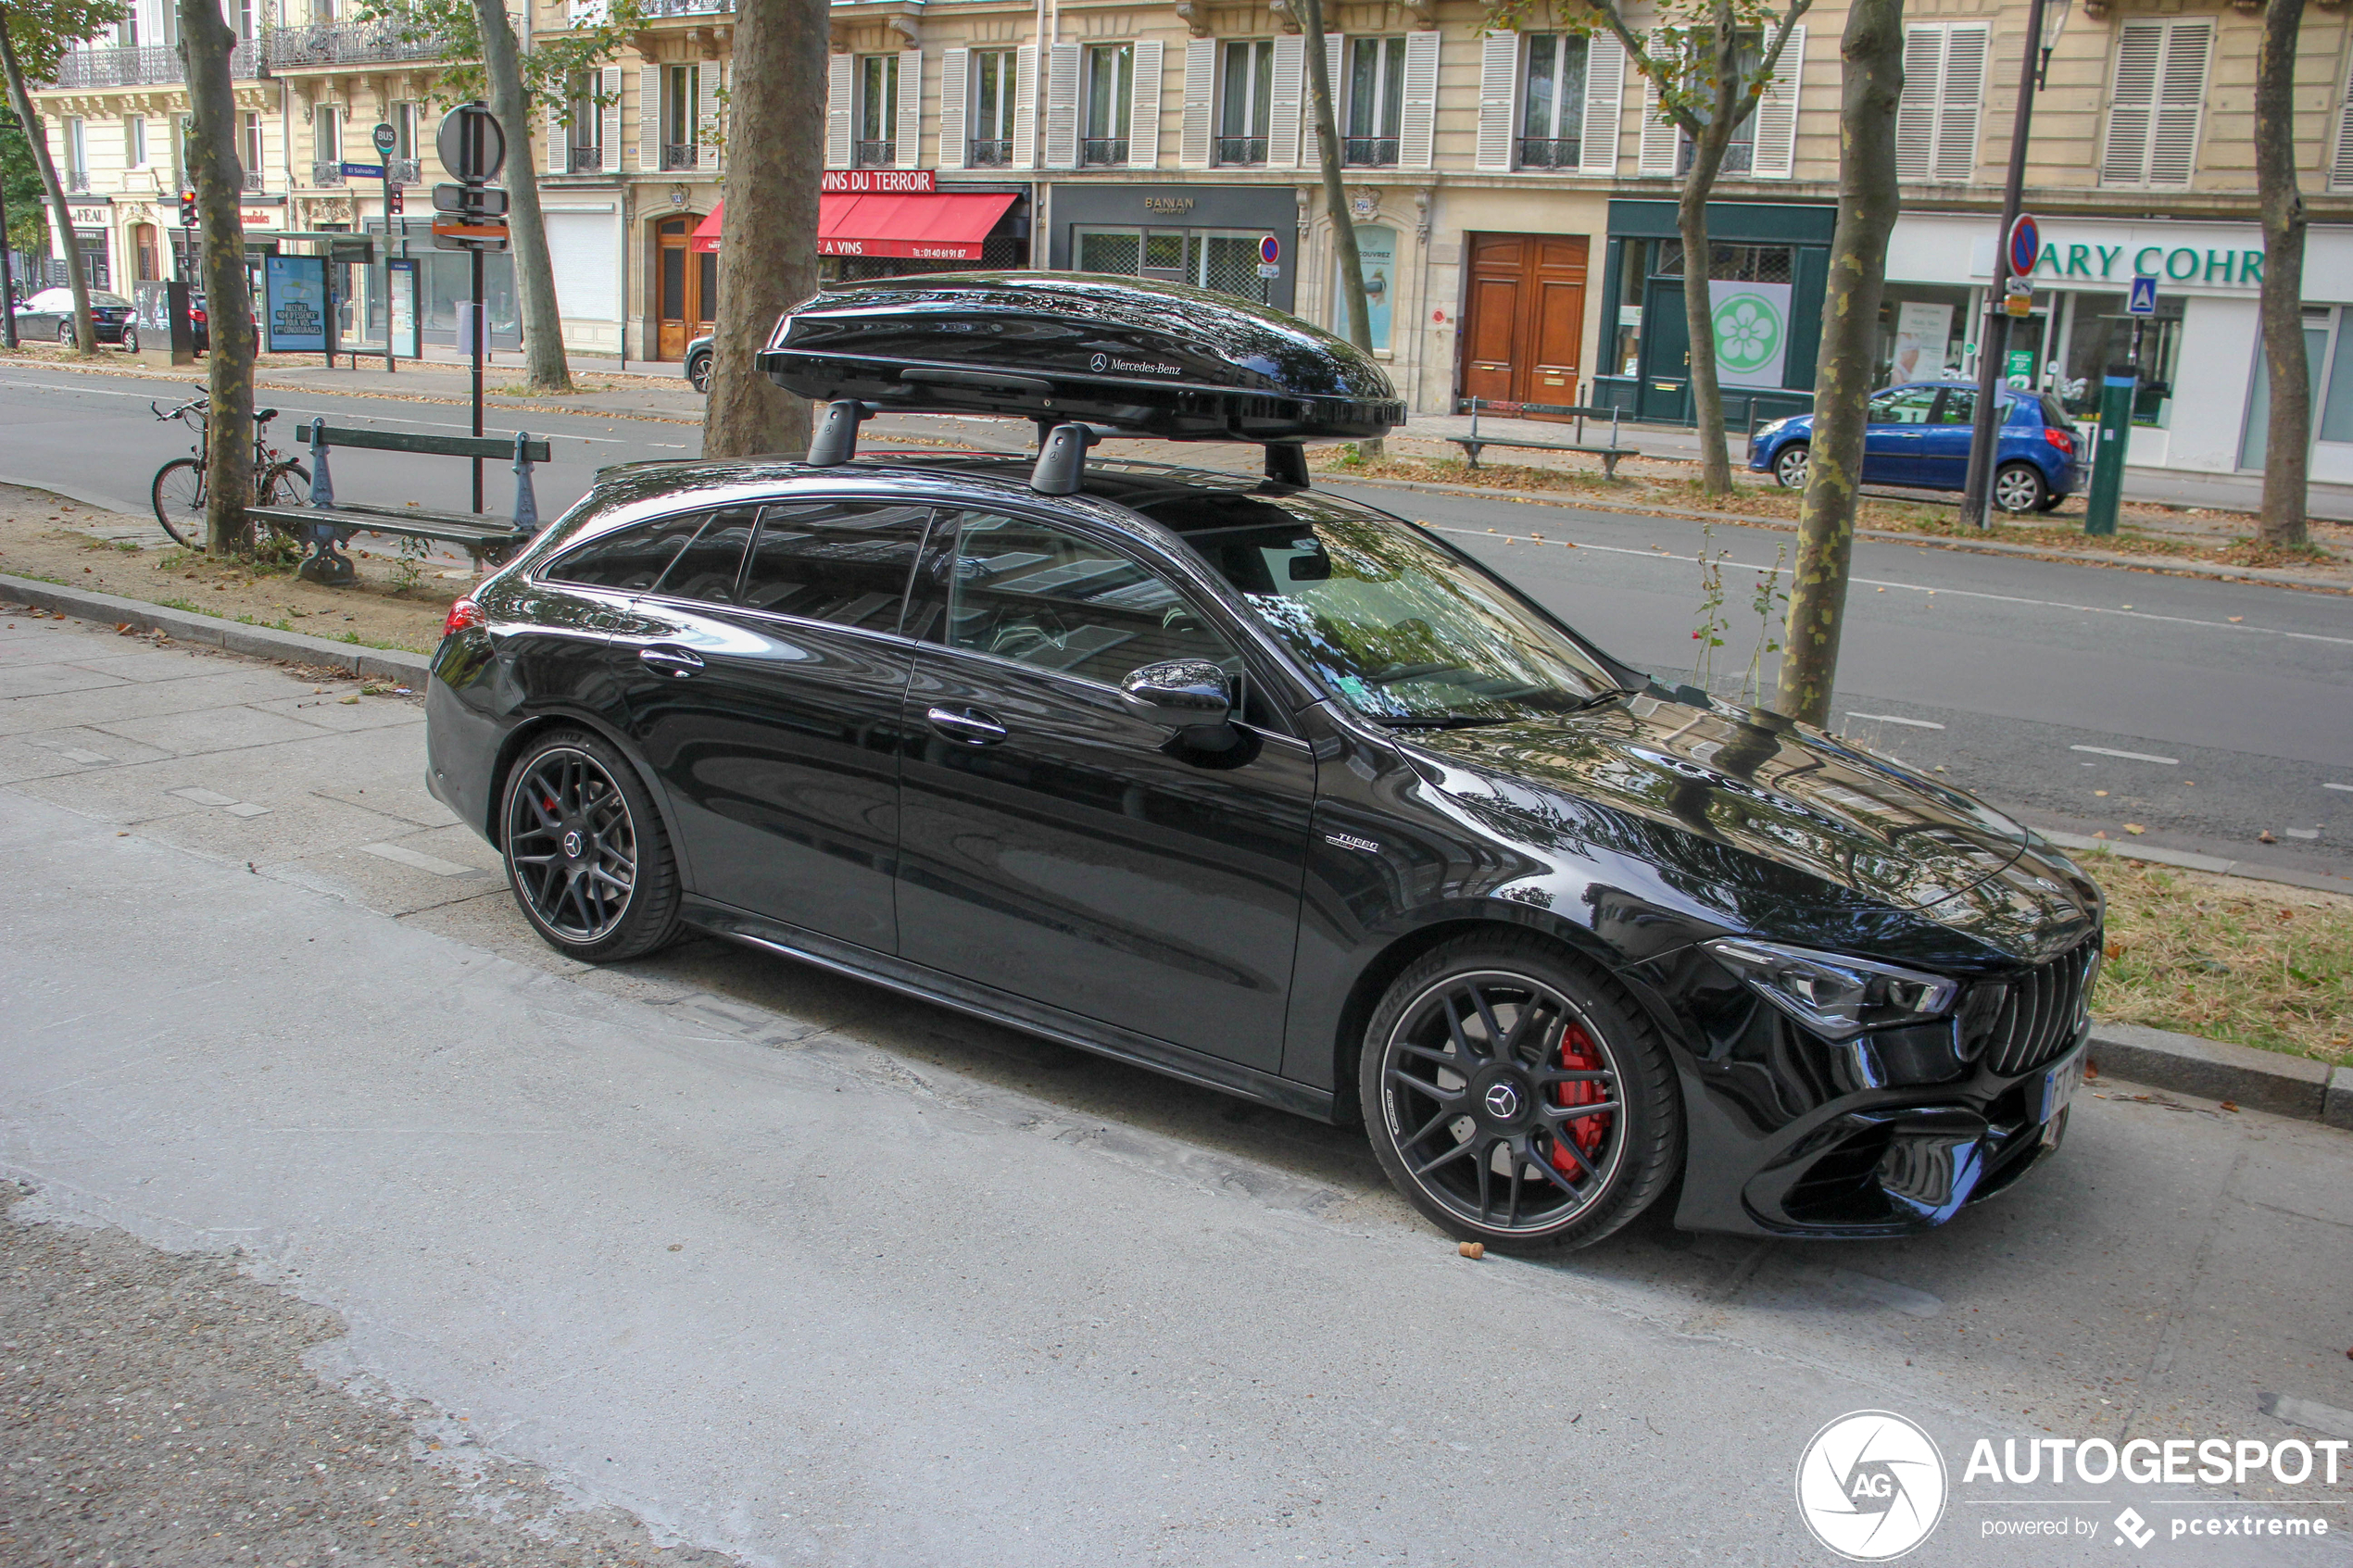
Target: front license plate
{"points": [[2057, 1088]]}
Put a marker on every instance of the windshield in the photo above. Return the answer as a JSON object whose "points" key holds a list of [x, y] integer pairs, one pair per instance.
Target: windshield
{"points": [[1396, 628]]}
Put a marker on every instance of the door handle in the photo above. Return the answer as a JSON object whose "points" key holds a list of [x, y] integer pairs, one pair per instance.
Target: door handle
{"points": [[970, 727], [675, 661]]}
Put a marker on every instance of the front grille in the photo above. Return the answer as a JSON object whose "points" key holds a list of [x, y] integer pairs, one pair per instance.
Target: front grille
{"points": [[2024, 1022]]}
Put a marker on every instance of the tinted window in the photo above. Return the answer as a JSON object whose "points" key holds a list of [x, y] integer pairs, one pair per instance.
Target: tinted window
{"points": [[843, 561], [631, 558], [1960, 406], [1905, 406], [708, 568], [1032, 593]]}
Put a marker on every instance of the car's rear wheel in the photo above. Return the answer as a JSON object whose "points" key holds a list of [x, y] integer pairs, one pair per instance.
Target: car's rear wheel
{"points": [[1514, 1099], [2019, 487], [587, 854], [698, 373], [131, 340], [65, 331], [1791, 465]]}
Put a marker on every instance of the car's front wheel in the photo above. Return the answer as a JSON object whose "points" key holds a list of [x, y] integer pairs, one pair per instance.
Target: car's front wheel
{"points": [[2019, 487], [586, 853], [1791, 465], [131, 340], [698, 373], [1514, 1099]]}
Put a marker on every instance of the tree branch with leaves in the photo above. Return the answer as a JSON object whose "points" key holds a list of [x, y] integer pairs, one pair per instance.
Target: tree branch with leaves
{"points": [[34, 35]]}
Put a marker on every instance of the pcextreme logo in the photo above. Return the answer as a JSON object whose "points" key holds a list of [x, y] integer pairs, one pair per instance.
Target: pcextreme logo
{"points": [[1871, 1485]]}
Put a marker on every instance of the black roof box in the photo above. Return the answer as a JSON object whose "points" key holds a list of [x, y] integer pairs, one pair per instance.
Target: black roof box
{"points": [[1142, 359]]}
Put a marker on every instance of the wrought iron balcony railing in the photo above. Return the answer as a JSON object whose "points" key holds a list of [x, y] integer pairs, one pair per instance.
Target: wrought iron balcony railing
{"points": [[681, 156], [1103, 151], [1550, 152], [1369, 152], [988, 153], [654, 10], [404, 170], [326, 173], [118, 67], [77, 182], [337, 44], [585, 160], [1241, 150], [875, 155], [253, 182]]}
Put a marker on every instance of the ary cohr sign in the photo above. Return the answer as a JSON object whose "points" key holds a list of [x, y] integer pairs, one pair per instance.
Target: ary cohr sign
{"points": [[2122, 264]]}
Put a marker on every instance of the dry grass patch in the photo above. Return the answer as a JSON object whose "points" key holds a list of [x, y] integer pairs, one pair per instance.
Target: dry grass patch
{"points": [[2255, 963]]}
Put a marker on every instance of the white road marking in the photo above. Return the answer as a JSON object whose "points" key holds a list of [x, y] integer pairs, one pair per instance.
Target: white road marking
{"points": [[1893, 719], [205, 797], [2306, 1412], [2347, 788], [2128, 756], [2304, 832], [247, 808], [417, 859]]}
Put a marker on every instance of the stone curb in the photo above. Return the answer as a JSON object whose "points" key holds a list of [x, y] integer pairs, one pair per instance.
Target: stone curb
{"points": [[2254, 1080], [233, 636]]}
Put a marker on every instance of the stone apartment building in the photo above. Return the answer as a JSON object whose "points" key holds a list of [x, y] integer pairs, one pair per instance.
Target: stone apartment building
{"points": [[1513, 197]]}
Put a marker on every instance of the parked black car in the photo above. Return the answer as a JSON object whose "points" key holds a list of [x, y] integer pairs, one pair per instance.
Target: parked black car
{"points": [[1260, 788], [50, 314]]}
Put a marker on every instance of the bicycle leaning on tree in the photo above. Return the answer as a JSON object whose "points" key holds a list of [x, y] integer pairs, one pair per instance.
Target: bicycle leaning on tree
{"points": [[178, 488]]}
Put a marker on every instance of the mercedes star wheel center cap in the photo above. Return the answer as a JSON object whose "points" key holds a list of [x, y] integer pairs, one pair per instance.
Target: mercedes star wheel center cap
{"points": [[571, 843], [1503, 1101]]}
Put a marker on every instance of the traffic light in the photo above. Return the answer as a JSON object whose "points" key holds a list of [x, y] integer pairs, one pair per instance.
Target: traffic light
{"points": [[187, 210], [392, 202]]}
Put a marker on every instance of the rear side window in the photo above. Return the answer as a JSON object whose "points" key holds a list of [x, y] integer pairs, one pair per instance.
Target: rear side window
{"points": [[632, 558], [843, 561], [708, 568]]}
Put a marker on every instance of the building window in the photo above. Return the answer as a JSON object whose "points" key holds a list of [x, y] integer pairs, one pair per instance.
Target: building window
{"points": [[681, 93], [877, 112], [583, 127], [1748, 59], [1944, 86], [2154, 113], [328, 123], [1226, 260], [1376, 102], [150, 257], [134, 141], [127, 32], [76, 156], [250, 149], [991, 128], [1552, 118], [91, 246], [1246, 106], [1111, 92]]}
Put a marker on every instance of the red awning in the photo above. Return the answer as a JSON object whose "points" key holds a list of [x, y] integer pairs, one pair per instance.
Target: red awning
{"points": [[938, 228]]}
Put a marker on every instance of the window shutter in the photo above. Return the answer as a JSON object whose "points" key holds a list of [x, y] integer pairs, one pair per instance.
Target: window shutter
{"points": [[2132, 105], [1143, 112], [841, 87], [1025, 107], [706, 114], [955, 98], [558, 141], [1605, 96], [1660, 137], [1201, 92], [2181, 104], [650, 117], [1283, 139], [1957, 103], [609, 119], [2341, 169], [1062, 105], [1418, 118], [1498, 84], [1777, 112], [1915, 111], [908, 137]]}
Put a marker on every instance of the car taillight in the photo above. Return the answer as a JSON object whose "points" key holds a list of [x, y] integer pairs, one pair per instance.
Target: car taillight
{"points": [[195, 315], [2059, 439], [464, 614]]}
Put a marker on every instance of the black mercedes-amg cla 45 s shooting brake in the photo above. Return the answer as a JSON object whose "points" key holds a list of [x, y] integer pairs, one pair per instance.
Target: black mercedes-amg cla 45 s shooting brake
{"points": [[1257, 787]]}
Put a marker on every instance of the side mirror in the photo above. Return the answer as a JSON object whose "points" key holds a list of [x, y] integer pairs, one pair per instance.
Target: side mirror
{"points": [[1181, 695]]}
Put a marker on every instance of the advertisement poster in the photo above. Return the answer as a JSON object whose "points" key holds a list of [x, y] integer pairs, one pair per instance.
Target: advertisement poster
{"points": [[402, 276], [1923, 333], [1378, 249], [1752, 332], [294, 288]]}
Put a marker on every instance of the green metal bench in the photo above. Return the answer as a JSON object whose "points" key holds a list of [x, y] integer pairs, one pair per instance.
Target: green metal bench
{"points": [[1609, 455], [325, 526]]}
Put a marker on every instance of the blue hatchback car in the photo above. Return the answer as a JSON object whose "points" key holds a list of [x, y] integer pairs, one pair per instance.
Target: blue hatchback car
{"points": [[1920, 436]]}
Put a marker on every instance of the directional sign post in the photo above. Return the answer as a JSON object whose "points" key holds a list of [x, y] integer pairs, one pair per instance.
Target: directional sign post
{"points": [[385, 139], [473, 149]]}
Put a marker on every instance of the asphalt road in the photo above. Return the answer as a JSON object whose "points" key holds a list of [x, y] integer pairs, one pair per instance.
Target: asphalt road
{"points": [[801, 1270], [2086, 698]]}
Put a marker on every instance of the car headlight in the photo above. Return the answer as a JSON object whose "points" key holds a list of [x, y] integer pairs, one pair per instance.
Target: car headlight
{"points": [[1832, 995], [1772, 427]]}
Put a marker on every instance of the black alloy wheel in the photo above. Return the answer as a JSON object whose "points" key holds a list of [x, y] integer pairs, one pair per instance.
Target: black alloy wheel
{"points": [[1514, 1100], [586, 851], [1792, 464]]}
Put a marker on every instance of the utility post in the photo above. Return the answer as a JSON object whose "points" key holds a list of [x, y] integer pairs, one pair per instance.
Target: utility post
{"points": [[470, 216], [2117, 391], [384, 138]]}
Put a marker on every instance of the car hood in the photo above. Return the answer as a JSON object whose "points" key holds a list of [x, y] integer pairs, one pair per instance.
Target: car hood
{"points": [[1745, 781]]}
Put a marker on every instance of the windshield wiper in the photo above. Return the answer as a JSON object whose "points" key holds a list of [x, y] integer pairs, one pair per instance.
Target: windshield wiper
{"points": [[1610, 695], [1443, 722]]}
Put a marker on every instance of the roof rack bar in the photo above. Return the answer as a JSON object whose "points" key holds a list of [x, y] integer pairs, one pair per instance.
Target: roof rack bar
{"points": [[1287, 463], [836, 439], [1061, 460]]}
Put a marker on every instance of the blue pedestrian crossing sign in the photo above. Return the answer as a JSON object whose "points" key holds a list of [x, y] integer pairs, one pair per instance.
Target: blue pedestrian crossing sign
{"points": [[2144, 300]]}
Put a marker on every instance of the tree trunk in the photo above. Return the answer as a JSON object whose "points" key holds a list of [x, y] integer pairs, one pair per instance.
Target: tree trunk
{"points": [[1872, 50], [1699, 320], [205, 44], [2287, 449], [60, 211], [768, 248], [544, 368], [1347, 261], [8, 279]]}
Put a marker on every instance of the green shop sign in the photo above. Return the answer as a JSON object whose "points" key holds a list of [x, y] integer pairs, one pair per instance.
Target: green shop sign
{"points": [[2181, 264]]}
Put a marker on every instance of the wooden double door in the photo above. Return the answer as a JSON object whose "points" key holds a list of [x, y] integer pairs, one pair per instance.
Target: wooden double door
{"points": [[686, 287], [1524, 321]]}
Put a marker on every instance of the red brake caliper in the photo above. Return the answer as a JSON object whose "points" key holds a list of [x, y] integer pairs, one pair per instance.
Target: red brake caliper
{"points": [[1580, 1055]]}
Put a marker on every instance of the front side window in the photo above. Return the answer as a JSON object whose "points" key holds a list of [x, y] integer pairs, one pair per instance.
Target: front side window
{"points": [[1043, 597], [841, 561], [877, 111], [1246, 106], [1111, 92], [991, 128], [1376, 102], [1552, 120], [1394, 626], [1905, 406], [631, 559]]}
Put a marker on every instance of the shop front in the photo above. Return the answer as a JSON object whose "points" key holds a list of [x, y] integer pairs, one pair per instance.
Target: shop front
{"points": [[2202, 404], [1766, 268], [93, 221], [1210, 236]]}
